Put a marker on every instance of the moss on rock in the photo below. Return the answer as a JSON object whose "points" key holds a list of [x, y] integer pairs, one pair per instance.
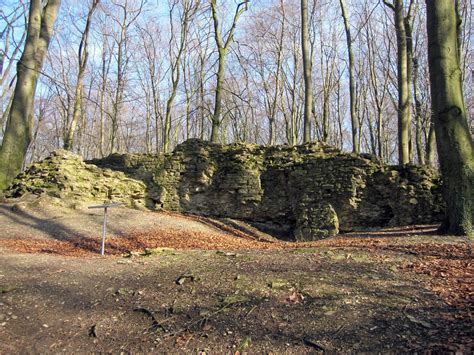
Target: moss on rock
{"points": [[65, 177], [303, 192]]}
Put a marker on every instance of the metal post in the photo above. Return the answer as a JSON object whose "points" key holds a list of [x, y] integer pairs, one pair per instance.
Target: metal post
{"points": [[105, 206], [104, 232]]}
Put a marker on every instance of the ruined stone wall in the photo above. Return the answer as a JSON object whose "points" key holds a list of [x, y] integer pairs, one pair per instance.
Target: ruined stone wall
{"points": [[305, 192], [69, 181]]}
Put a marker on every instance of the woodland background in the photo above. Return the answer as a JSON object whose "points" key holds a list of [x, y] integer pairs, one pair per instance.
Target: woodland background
{"points": [[149, 78]]}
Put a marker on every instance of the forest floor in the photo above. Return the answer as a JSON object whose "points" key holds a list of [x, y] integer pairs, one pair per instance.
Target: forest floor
{"points": [[173, 283]]}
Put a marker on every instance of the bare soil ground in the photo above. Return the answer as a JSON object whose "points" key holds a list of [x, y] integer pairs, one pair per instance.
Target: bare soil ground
{"points": [[208, 287]]}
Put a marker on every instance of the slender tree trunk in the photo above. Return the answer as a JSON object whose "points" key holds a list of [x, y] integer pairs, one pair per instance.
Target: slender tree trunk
{"points": [[169, 106], [308, 85], [380, 135], [156, 112], [277, 93], [5, 114], [117, 104], [216, 117], [148, 122], [431, 146], [454, 142], [202, 113], [325, 118], [188, 114], [105, 66], [20, 123], [188, 12], [404, 105], [222, 48], [410, 59], [404, 49], [418, 116], [372, 133], [123, 56], [354, 121], [33, 146], [378, 96], [83, 55], [339, 117], [188, 92], [292, 136]]}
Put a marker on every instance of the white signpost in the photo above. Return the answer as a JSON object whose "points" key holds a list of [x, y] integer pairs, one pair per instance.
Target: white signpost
{"points": [[105, 206]]}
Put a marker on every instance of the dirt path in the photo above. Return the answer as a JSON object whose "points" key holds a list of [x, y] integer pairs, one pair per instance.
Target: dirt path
{"points": [[399, 290]]}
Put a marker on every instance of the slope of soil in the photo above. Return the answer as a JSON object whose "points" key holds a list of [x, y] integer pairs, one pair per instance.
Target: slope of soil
{"points": [[208, 287]]}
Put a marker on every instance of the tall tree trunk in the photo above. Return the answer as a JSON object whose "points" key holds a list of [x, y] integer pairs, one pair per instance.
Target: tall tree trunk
{"points": [[431, 145], [167, 126], [188, 93], [308, 85], [41, 117], [118, 97], [129, 15], [418, 116], [340, 142], [409, 75], [148, 122], [20, 120], [403, 78], [105, 67], [454, 142], [404, 105], [156, 113], [354, 121], [325, 118], [292, 124], [377, 95], [83, 55], [277, 94], [216, 117], [202, 113], [222, 48], [188, 11]]}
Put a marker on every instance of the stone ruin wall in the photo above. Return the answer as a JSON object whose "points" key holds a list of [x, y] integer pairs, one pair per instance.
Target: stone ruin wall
{"points": [[67, 180], [307, 192]]}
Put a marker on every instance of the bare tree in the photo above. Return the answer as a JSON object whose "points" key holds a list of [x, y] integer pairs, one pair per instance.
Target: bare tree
{"points": [[12, 39], [83, 54], [404, 47], [189, 9], [454, 141], [308, 83], [350, 54], [222, 48], [129, 12], [19, 128]]}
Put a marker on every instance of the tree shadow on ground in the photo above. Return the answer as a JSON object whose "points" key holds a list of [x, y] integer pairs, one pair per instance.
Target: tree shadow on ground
{"points": [[393, 315], [52, 227]]}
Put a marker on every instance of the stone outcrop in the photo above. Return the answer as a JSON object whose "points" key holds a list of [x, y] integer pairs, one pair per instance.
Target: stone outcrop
{"points": [[68, 180], [306, 192]]}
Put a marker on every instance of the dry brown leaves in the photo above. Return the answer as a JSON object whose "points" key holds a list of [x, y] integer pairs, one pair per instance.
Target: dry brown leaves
{"points": [[452, 277], [449, 267], [176, 239]]}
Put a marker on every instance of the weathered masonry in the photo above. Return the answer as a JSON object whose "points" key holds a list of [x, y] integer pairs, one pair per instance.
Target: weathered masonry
{"points": [[306, 192]]}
